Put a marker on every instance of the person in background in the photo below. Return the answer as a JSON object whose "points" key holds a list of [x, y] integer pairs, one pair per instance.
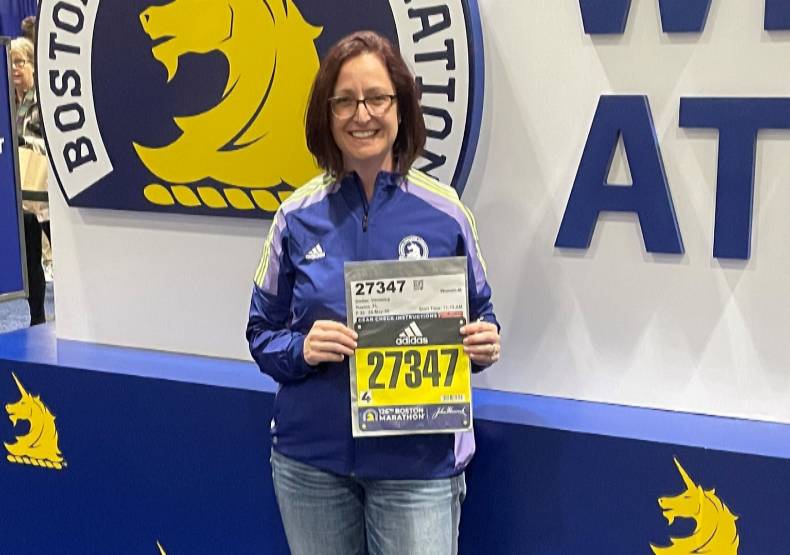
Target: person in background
{"points": [[28, 26], [30, 135], [34, 139], [338, 494], [23, 71]]}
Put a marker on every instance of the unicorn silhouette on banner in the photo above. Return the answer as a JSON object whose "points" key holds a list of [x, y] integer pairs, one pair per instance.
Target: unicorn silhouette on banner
{"points": [[715, 532], [253, 139], [38, 447]]}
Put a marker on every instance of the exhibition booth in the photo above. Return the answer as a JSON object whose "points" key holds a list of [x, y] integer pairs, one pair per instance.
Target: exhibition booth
{"points": [[626, 163]]}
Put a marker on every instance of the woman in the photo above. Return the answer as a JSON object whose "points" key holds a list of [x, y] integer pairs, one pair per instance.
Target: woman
{"points": [[28, 115], [29, 135], [338, 494], [28, 28]]}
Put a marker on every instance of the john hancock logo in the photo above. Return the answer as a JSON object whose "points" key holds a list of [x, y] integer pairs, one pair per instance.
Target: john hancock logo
{"points": [[39, 446], [198, 106], [715, 531]]}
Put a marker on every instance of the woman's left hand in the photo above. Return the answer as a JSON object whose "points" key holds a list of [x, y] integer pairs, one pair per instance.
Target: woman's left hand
{"points": [[481, 342]]}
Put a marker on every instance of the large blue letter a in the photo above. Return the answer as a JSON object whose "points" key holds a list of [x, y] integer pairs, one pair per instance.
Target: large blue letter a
{"points": [[648, 197]]}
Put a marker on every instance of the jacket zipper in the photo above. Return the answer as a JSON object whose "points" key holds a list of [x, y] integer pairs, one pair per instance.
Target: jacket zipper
{"points": [[365, 207]]}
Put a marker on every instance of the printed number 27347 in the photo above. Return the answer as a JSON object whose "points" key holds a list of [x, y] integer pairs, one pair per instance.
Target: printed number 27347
{"points": [[379, 287], [417, 368]]}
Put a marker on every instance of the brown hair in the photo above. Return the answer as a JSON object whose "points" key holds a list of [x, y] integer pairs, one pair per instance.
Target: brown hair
{"points": [[318, 129], [28, 27]]}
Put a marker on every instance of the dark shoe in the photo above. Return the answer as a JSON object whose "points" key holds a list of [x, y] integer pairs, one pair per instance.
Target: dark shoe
{"points": [[37, 320]]}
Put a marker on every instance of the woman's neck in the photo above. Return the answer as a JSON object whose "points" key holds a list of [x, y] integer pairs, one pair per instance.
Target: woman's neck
{"points": [[369, 170], [23, 90]]}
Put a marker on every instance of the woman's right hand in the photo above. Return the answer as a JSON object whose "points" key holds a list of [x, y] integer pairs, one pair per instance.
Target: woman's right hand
{"points": [[328, 341]]}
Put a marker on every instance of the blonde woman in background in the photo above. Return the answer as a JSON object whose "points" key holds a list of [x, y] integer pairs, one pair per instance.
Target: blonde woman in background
{"points": [[30, 137], [28, 115]]}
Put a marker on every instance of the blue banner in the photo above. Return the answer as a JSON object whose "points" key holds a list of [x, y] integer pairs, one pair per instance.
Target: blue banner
{"points": [[98, 462], [12, 276], [12, 12]]}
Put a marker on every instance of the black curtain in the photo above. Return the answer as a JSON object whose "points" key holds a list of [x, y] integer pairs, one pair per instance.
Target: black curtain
{"points": [[12, 12]]}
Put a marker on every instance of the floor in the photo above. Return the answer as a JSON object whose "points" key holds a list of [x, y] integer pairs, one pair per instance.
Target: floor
{"points": [[15, 315]]}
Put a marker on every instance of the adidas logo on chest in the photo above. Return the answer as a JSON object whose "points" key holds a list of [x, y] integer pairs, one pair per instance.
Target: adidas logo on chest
{"points": [[316, 253]]}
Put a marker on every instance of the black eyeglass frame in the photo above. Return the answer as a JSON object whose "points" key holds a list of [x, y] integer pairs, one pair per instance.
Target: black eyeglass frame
{"points": [[364, 101]]}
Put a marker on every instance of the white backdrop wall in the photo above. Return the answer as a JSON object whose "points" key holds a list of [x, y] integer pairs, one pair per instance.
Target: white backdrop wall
{"points": [[612, 323]]}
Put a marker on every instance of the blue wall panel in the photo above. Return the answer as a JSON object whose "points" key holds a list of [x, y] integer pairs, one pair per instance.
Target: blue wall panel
{"points": [[151, 460], [12, 280], [145, 461]]}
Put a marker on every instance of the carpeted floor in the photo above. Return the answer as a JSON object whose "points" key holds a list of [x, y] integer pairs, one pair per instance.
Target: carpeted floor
{"points": [[15, 315]]}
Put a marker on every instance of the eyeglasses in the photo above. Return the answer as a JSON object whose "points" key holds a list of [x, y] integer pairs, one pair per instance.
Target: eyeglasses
{"points": [[19, 63], [344, 107]]}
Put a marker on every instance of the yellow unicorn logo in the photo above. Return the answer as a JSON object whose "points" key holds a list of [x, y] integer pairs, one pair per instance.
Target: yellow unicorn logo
{"points": [[253, 139], [715, 532], [39, 447]]}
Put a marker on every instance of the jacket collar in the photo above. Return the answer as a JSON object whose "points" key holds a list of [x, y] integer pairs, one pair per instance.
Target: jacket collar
{"points": [[383, 179]]}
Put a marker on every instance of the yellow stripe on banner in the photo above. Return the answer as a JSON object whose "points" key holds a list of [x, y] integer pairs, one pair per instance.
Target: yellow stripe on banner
{"points": [[316, 184], [426, 182]]}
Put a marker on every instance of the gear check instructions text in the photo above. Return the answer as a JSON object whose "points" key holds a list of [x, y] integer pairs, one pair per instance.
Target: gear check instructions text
{"points": [[409, 373]]}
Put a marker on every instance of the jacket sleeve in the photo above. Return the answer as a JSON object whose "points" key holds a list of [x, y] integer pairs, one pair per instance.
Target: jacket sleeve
{"points": [[276, 348], [480, 306]]}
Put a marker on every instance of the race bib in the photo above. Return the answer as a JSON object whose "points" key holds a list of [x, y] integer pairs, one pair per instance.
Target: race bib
{"points": [[409, 373]]}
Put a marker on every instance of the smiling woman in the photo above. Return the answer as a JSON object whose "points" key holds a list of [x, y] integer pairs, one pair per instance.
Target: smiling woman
{"points": [[337, 493], [374, 121], [366, 136]]}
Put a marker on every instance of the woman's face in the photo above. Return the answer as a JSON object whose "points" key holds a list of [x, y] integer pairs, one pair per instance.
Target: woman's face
{"points": [[364, 138], [21, 71]]}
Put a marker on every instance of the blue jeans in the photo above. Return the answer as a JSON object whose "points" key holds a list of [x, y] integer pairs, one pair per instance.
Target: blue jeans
{"points": [[327, 514]]}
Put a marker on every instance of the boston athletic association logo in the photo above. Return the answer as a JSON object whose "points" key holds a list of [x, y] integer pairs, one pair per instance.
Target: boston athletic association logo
{"points": [[413, 247], [271, 60], [715, 531], [39, 446], [197, 106]]}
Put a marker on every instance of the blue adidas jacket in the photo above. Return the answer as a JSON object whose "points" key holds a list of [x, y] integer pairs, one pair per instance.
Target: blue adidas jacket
{"points": [[312, 414]]}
